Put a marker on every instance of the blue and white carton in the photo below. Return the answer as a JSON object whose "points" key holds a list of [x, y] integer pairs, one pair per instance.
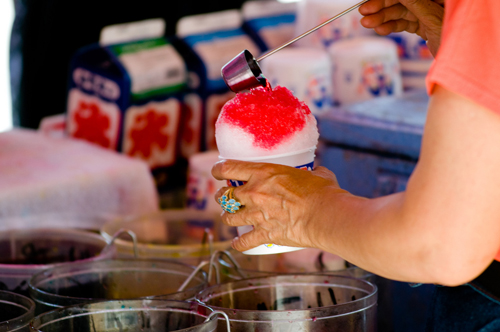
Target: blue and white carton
{"points": [[126, 93], [210, 41], [270, 23]]}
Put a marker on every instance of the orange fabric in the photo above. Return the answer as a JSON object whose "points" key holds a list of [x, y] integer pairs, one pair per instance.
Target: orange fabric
{"points": [[468, 60]]}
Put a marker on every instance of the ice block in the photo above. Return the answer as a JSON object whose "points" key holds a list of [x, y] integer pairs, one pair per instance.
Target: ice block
{"points": [[46, 175]]}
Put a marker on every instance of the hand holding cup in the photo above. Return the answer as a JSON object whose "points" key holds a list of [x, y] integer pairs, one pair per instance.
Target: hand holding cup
{"points": [[283, 204]]}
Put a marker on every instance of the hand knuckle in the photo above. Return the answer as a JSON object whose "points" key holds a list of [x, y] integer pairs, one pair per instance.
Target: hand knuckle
{"points": [[226, 219], [226, 167], [266, 169], [273, 237], [243, 242]]}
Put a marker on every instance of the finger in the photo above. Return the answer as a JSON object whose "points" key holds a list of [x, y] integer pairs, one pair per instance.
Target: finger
{"points": [[233, 169], [219, 198], [396, 26], [240, 194], [373, 6], [234, 219], [250, 240], [392, 13], [219, 193], [243, 217]]}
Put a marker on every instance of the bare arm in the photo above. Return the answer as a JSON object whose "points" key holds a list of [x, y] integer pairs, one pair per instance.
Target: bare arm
{"points": [[444, 229]]}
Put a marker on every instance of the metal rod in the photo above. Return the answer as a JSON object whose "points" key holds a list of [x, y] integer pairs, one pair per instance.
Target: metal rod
{"points": [[312, 30]]}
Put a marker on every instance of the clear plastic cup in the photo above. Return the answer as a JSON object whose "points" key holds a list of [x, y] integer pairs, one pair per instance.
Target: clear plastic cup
{"points": [[303, 159], [113, 280], [28, 251], [250, 266], [149, 315], [299, 302], [173, 234], [16, 311], [261, 266]]}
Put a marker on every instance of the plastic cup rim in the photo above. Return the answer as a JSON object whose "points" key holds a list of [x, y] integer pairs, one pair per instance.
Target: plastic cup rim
{"points": [[216, 291], [22, 321], [288, 154], [84, 236], [90, 311]]}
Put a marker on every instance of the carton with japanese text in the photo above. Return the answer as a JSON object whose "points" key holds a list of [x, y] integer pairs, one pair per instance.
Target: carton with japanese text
{"points": [[126, 95]]}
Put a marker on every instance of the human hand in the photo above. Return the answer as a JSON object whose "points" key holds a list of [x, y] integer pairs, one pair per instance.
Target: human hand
{"points": [[285, 205], [423, 17]]}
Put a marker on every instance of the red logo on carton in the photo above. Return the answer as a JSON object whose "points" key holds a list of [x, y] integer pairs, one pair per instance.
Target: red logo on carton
{"points": [[147, 131], [91, 124], [150, 132]]}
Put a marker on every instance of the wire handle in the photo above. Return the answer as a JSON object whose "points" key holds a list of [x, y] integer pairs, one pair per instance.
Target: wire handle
{"points": [[120, 232], [198, 268], [208, 238], [231, 259], [226, 318], [213, 267]]}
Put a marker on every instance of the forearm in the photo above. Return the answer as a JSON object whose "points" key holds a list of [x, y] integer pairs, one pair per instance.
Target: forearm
{"points": [[445, 227], [379, 236]]}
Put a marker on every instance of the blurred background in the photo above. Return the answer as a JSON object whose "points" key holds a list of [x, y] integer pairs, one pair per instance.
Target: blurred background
{"points": [[6, 19]]}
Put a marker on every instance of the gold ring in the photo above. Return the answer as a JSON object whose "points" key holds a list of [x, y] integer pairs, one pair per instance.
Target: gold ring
{"points": [[228, 202]]}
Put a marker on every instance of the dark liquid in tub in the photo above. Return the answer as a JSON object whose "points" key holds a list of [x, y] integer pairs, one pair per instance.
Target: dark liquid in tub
{"points": [[47, 252], [10, 311], [112, 285]]}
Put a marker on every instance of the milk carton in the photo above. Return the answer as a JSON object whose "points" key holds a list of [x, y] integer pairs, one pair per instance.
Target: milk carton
{"points": [[210, 41], [270, 23], [126, 93]]}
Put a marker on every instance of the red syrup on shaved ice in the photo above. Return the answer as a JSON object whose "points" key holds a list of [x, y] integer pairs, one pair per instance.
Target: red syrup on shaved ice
{"points": [[264, 122]]}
